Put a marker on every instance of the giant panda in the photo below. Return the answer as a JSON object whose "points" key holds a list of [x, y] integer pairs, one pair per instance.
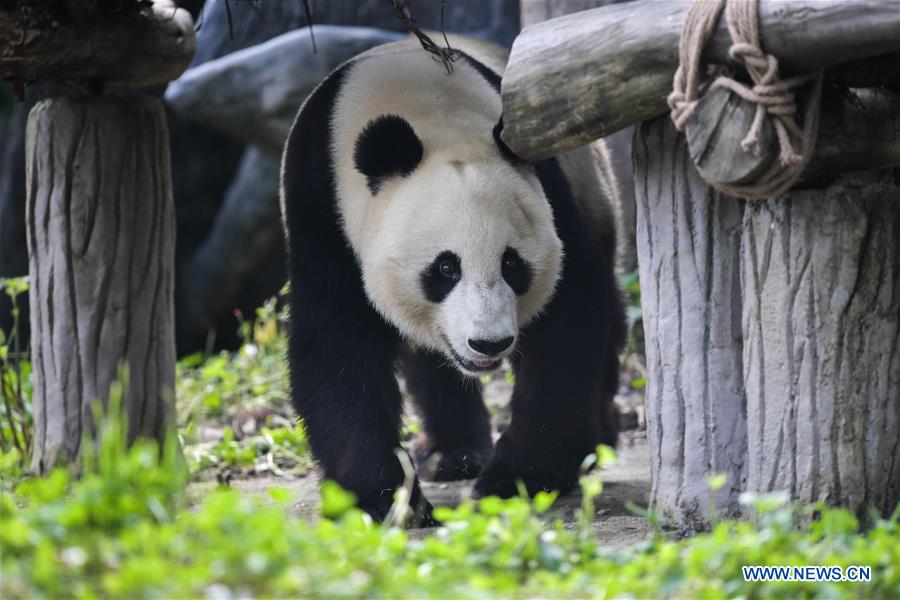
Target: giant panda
{"points": [[419, 242]]}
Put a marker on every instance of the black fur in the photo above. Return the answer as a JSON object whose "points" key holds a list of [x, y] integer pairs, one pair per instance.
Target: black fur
{"points": [[516, 271], [507, 153], [494, 81], [566, 367], [342, 353], [457, 439], [436, 285], [387, 146]]}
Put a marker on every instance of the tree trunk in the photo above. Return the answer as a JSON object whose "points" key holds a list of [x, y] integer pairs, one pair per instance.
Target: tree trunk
{"points": [[689, 240], [773, 342], [101, 247], [821, 324]]}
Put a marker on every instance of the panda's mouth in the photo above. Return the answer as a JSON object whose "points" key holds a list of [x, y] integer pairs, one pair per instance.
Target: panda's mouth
{"points": [[473, 365]]}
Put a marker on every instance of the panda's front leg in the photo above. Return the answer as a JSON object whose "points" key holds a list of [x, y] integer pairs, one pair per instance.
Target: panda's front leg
{"points": [[348, 397], [556, 423], [456, 443], [566, 378]]}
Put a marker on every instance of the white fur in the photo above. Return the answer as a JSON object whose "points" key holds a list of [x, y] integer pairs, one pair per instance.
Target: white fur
{"points": [[463, 197]]}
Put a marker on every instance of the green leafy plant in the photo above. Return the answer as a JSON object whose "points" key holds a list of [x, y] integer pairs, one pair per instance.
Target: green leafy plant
{"points": [[630, 286], [122, 530], [234, 411], [255, 377], [282, 451], [15, 377]]}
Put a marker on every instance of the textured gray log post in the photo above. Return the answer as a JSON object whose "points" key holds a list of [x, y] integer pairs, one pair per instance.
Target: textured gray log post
{"points": [[821, 322], [773, 342], [101, 240], [688, 240]]}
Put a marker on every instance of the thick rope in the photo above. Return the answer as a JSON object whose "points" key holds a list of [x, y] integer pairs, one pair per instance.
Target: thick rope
{"points": [[774, 97]]}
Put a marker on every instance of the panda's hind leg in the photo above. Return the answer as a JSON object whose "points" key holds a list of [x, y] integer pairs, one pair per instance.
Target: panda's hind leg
{"points": [[456, 442]]}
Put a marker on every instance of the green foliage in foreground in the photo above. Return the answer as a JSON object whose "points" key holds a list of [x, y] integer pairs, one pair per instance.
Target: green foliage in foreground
{"points": [[119, 531]]}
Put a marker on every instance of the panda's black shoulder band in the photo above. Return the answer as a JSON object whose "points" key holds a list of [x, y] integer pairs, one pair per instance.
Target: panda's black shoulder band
{"points": [[494, 80]]}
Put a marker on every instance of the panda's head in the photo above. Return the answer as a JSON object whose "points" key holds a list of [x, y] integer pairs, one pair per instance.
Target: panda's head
{"points": [[456, 239]]}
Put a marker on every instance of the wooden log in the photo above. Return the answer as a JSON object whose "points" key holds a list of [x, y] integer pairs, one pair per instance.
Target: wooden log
{"points": [[859, 129], [143, 44], [583, 76], [868, 72], [714, 133], [618, 144], [101, 241], [821, 275], [773, 344], [688, 241]]}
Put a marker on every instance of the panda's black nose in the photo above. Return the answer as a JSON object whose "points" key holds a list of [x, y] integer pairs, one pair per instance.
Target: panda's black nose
{"points": [[491, 347]]}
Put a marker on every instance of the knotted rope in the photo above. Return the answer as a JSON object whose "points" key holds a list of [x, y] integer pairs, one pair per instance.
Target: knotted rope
{"points": [[774, 97]]}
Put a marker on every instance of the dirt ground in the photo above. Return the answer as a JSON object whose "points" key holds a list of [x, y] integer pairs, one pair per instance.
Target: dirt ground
{"points": [[626, 481]]}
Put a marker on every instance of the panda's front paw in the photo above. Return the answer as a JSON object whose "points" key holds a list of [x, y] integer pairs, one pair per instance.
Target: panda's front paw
{"points": [[500, 478], [435, 464], [453, 465], [418, 513], [497, 479]]}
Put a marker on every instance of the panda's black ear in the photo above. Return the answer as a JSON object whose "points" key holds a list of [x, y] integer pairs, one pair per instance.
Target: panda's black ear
{"points": [[505, 150], [386, 147]]}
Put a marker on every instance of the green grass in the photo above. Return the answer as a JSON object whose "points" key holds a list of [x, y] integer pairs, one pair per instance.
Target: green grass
{"points": [[15, 377], [122, 530], [234, 413], [630, 288], [234, 410]]}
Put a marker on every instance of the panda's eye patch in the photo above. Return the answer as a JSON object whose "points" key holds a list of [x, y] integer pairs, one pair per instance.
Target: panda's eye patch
{"points": [[441, 276], [516, 271]]}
